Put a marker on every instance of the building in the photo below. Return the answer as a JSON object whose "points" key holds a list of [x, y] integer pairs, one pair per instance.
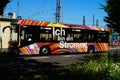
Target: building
{"points": [[5, 24]]}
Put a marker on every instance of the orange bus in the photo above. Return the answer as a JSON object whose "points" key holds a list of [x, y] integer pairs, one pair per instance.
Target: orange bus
{"points": [[29, 37]]}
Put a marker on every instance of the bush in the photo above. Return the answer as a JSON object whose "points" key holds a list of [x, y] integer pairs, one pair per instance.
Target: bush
{"points": [[95, 69]]}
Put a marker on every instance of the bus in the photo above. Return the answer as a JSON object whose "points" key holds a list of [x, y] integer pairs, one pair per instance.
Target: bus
{"points": [[29, 37]]}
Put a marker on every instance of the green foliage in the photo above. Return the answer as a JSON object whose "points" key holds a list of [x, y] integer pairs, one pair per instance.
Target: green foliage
{"points": [[112, 8], [101, 68]]}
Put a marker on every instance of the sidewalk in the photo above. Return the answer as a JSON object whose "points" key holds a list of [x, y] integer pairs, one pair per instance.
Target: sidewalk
{"points": [[111, 47]]}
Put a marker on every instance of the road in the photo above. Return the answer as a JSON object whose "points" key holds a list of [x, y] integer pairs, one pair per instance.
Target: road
{"points": [[115, 50], [59, 60]]}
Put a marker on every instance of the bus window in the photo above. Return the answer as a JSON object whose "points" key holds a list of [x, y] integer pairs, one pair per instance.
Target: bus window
{"points": [[69, 37], [45, 34], [76, 37], [103, 37], [45, 37], [28, 35], [42, 37], [54, 37], [91, 38], [50, 37], [22, 35]]}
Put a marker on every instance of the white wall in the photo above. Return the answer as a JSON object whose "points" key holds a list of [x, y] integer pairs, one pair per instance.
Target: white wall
{"points": [[6, 35]]}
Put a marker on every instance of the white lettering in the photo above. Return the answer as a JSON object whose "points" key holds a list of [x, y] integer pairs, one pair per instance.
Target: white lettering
{"points": [[53, 31], [61, 44], [58, 32], [71, 45], [62, 32], [61, 38]]}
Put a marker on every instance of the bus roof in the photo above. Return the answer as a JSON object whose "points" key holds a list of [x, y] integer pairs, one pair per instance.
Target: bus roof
{"points": [[52, 24]]}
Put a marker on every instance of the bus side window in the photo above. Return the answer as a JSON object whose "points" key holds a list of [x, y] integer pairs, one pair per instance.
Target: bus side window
{"points": [[42, 37], [54, 37], [69, 37], [80, 37], [50, 37], [45, 37], [77, 37], [99, 38], [85, 37], [91, 38]]}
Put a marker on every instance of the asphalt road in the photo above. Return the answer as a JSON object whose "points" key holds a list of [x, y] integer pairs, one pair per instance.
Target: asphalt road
{"points": [[114, 50], [59, 60]]}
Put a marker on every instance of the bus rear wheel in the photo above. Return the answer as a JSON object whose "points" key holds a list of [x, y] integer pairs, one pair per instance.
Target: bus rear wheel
{"points": [[45, 50], [90, 49]]}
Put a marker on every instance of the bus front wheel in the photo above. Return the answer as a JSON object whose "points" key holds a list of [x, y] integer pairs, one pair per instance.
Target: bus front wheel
{"points": [[45, 50]]}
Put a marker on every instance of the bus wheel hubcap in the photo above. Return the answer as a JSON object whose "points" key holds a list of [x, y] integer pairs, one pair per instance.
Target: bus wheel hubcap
{"points": [[44, 50]]}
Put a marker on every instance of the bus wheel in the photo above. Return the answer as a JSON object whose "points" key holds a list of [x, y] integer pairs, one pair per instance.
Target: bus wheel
{"points": [[45, 50], [90, 49]]}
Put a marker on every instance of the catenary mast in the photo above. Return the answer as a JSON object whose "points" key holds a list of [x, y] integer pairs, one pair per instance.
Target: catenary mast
{"points": [[58, 8]]}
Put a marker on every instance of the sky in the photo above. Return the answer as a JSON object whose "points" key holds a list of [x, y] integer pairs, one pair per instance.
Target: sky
{"points": [[72, 11]]}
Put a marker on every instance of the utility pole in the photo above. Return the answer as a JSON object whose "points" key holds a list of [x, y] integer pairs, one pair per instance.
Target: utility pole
{"points": [[93, 20], [97, 23], [58, 7], [84, 20], [62, 11], [17, 9]]}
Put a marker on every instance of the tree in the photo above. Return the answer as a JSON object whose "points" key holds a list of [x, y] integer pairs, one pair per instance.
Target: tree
{"points": [[3, 4], [112, 8]]}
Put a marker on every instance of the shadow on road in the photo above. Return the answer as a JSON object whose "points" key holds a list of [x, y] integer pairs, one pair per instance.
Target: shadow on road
{"points": [[16, 67]]}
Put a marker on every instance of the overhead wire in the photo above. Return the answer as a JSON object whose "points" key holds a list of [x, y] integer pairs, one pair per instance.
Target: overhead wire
{"points": [[38, 11]]}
